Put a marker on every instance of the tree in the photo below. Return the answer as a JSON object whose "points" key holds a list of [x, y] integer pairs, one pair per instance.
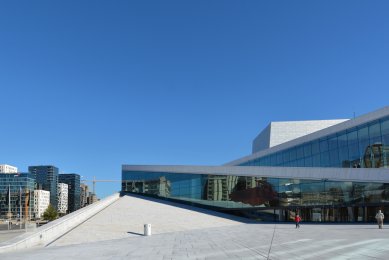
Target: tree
{"points": [[50, 213]]}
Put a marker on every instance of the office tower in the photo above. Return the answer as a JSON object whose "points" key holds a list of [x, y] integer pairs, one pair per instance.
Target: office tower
{"points": [[46, 179], [62, 198], [41, 202], [5, 168], [16, 195], [73, 182]]}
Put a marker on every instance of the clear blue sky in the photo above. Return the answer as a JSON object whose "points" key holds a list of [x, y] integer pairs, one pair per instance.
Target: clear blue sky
{"points": [[91, 85]]}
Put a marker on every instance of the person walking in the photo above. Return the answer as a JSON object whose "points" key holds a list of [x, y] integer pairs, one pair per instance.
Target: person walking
{"points": [[380, 219], [297, 219]]}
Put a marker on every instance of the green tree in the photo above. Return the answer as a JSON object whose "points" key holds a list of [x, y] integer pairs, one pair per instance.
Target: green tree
{"points": [[50, 213]]}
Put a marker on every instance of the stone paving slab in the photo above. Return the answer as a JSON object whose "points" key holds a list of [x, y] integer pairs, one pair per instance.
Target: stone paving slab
{"points": [[127, 216], [246, 241], [233, 241], [9, 234]]}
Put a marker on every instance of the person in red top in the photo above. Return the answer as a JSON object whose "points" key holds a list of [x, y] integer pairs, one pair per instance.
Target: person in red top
{"points": [[297, 219]]}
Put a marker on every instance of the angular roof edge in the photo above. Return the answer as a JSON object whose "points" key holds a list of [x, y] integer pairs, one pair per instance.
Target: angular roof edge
{"points": [[315, 135], [379, 175]]}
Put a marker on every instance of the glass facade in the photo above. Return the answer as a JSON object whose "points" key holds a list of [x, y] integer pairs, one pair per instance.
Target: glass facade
{"points": [[365, 146], [278, 199], [265, 198], [20, 199], [46, 179]]}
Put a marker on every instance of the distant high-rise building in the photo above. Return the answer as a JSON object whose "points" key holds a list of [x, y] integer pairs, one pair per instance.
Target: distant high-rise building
{"points": [[5, 168], [41, 202], [62, 198], [46, 179], [16, 195], [74, 190], [84, 195], [92, 198]]}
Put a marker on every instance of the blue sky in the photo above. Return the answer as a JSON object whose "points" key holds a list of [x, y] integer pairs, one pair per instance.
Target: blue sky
{"points": [[91, 85]]}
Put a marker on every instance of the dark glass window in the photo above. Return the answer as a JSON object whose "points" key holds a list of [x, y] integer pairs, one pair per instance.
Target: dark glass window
{"points": [[364, 145], [323, 145], [343, 157], [300, 152], [375, 134], [315, 147], [342, 139], [292, 154], [332, 142], [273, 160], [334, 158], [307, 149], [385, 127], [352, 137], [325, 159], [279, 158], [316, 160], [308, 161], [285, 156]]}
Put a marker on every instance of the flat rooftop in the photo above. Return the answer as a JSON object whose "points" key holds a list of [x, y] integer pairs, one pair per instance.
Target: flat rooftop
{"points": [[183, 232]]}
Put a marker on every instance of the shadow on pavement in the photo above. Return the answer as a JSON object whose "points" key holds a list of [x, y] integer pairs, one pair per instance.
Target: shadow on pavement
{"points": [[134, 233]]}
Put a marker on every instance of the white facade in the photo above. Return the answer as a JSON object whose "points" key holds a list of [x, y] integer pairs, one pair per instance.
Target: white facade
{"points": [[5, 168], [281, 132], [62, 194], [41, 202]]}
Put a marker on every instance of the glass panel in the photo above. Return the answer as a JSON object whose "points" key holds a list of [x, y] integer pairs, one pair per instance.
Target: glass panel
{"points": [[307, 150], [343, 157], [364, 148], [292, 154], [323, 145], [300, 152], [353, 153], [285, 156], [385, 127], [352, 137], [342, 140], [333, 142], [300, 163], [308, 161], [279, 158], [374, 130], [375, 134], [315, 147], [316, 160], [273, 160], [334, 158], [325, 159]]}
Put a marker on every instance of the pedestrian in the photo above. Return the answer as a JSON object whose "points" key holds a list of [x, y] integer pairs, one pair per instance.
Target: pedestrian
{"points": [[380, 219], [297, 219]]}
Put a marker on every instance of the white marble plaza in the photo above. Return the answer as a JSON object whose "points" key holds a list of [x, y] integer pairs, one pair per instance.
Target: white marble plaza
{"points": [[182, 233]]}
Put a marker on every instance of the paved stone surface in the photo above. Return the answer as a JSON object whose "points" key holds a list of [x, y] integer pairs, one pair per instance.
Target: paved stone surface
{"points": [[224, 239], [246, 241], [9, 234], [127, 216]]}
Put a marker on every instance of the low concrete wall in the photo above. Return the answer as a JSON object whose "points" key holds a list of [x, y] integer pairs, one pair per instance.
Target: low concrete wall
{"points": [[53, 230]]}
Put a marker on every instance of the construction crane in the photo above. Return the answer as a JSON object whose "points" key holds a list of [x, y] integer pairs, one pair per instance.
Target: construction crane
{"points": [[94, 182]]}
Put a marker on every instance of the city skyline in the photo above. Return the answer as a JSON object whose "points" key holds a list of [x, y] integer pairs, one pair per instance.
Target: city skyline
{"points": [[89, 87]]}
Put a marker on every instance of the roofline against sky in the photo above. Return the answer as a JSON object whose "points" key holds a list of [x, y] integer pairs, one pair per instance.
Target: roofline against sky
{"points": [[363, 119]]}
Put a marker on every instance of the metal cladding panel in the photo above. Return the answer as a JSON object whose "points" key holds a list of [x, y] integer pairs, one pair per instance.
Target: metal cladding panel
{"points": [[380, 175]]}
